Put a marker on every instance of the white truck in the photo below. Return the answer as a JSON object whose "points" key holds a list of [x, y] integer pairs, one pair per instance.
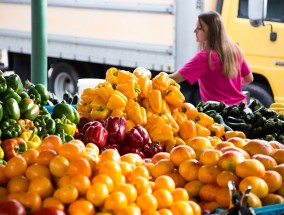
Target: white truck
{"points": [[86, 37]]}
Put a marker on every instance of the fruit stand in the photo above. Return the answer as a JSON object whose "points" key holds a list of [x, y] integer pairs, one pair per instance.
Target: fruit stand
{"points": [[132, 145]]}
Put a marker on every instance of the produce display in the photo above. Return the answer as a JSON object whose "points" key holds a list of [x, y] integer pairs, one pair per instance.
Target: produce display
{"points": [[132, 145]]}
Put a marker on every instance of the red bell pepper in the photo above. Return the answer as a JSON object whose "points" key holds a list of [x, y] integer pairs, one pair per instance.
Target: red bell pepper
{"points": [[151, 149], [12, 207], [91, 123], [127, 149], [96, 134], [137, 137], [116, 127], [14, 146]]}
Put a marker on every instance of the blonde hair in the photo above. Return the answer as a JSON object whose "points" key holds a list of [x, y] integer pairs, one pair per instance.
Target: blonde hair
{"points": [[218, 40]]}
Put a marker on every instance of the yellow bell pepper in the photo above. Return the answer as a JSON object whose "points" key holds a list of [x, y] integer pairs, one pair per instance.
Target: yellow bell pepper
{"points": [[84, 106], [204, 119], [161, 82], [130, 88], [171, 121], [135, 112], [104, 90], [172, 82], [125, 76], [202, 130], [187, 130], [154, 121], [88, 94], [117, 100], [129, 124], [179, 117], [229, 134], [142, 72], [99, 112], [111, 76], [31, 138], [189, 109], [119, 112], [155, 100], [162, 133], [145, 86], [97, 102], [170, 144], [145, 103], [165, 107], [174, 96], [217, 130]]}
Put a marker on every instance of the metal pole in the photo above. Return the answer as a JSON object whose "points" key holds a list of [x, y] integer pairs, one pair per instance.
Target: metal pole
{"points": [[39, 42]]}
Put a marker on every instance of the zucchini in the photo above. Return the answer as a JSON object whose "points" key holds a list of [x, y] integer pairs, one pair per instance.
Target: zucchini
{"points": [[219, 119], [233, 119], [239, 126]]}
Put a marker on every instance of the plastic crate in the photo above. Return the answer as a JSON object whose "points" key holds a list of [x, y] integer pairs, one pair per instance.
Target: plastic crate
{"points": [[277, 209], [50, 108]]}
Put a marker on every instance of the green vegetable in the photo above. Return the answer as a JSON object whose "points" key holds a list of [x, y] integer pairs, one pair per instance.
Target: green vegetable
{"points": [[219, 119], [64, 109], [45, 125], [3, 84], [14, 82], [11, 109], [10, 129], [10, 93]]}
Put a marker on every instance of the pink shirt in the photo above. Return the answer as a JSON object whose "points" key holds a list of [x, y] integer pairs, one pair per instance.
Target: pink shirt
{"points": [[212, 84]]}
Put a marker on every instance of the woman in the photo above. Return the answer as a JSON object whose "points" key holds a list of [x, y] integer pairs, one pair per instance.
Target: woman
{"points": [[219, 66]]}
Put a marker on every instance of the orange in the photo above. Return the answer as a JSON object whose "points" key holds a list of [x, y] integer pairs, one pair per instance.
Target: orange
{"points": [[94, 147], [237, 141], [268, 161], [208, 192], [209, 206], [53, 142], [141, 184], [15, 166], [129, 191], [164, 198], [223, 144], [162, 167], [250, 167], [147, 201], [3, 194], [280, 191], [208, 173], [18, 184], [181, 153], [195, 207], [234, 148], [280, 169], [254, 201], [45, 156], [72, 151], [132, 158], [165, 182], [180, 194], [66, 194], [210, 156], [81, 206], [126, 169], [230, 159], [79, 166], [276, 145], [51, 202], [139, 171], [3, 178], [41, 185], [181, 208], [37, 169], [222, 197], [81, 182], [198, 144], [193, 188], [164, 211], [278, 156], [59, 166], [225, 176], [160, 155], [129, 210], [30, 155], [109, 155], [273, 179], [97, 194], [257, 146], [272, 199], [105, 179], [112, 169], [259, 186], [188, 169], [93, 160], [214, 141], [115, 201], [178, 179]]}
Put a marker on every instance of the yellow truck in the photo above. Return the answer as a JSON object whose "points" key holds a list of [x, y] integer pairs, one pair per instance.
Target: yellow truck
{"points": [[86, 37]]}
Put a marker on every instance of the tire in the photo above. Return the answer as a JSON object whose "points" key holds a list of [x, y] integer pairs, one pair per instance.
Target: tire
{"points": [[260, 92], [63, 77]]}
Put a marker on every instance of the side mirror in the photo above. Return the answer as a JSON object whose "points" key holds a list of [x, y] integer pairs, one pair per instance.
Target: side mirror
{"points": [[257, 10]]}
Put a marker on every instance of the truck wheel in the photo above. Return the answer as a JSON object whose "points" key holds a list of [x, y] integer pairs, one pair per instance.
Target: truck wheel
{"points": [[260, 92], [63, 77]]}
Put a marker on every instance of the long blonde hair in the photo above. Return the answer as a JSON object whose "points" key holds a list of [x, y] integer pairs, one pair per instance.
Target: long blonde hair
{"points": [[218, 40]]}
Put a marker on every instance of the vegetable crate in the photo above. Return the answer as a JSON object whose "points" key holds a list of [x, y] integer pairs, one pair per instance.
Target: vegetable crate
{"points": [[277, 209]]}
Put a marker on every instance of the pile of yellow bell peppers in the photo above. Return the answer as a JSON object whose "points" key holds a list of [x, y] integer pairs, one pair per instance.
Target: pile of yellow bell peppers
{"points": [[156, 103]]}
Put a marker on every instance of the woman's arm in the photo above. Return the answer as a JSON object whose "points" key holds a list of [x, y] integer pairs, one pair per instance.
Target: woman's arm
{"points": [[247, 79], [177, 77]]}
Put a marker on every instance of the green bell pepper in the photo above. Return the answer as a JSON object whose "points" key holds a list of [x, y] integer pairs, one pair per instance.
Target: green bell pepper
{"points": [[1, 111], [28, 109], [63, 109], [45, 125], [11, 109], [10, 93], [39, 94], [14, 81], [24, 95], [34, 95], [10, 129], [3, 84], [65, 125]]}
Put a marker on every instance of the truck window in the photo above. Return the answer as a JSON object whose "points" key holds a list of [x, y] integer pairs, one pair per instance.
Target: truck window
{"points": [[275, 10]]}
